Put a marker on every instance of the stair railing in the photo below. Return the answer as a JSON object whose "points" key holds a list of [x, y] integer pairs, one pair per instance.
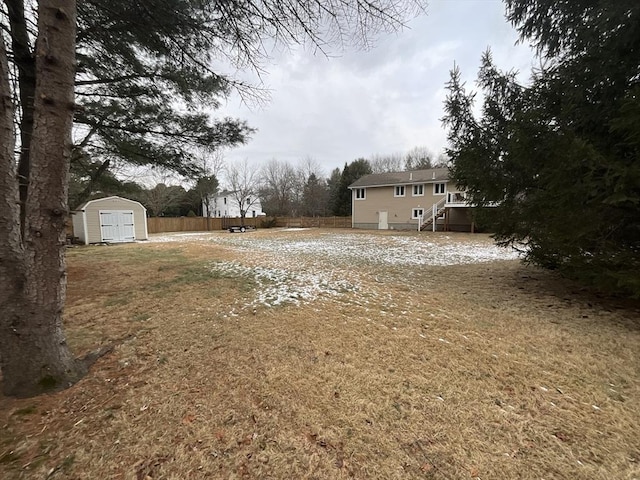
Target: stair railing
{"points": [[435, 210]]}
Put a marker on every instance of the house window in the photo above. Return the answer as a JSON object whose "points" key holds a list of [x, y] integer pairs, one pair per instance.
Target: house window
{"points": [[253, 213], [248, 201], [438, 188], [416, 213], [399, 191], [225, 200], [360, 194], [418, 190]]}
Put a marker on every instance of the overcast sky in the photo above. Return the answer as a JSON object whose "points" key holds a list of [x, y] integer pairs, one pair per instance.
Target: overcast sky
{"points": [[385, 100]]}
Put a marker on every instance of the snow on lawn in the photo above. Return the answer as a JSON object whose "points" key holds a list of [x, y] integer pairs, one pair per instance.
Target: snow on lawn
{"points": [[345, 248], [277, 286], [375, 249], [293, 268], [181, 237]]}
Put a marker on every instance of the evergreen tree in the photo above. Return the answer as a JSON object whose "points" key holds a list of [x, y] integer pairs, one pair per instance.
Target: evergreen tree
{"points": [[140, 63], [34, 354], [315, 196], [135, 59], [351, 172], [105, 184], [333, 185], [560, 156]]}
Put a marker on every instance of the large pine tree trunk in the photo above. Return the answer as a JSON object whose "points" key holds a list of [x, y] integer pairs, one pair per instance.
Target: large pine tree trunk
{"points": [[34, 356], [25, 61]]}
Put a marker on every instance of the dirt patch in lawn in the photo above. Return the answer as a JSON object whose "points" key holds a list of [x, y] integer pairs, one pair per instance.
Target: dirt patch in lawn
{"points": [[333, 354]]}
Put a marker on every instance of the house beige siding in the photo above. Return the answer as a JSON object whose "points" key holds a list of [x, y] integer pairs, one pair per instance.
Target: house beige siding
{"points": [[366, 212], [91, 211], [385, 205]]}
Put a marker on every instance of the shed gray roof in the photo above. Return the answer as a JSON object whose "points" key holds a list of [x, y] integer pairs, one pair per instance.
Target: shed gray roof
{"points": [[112, 197], [432, 175]]}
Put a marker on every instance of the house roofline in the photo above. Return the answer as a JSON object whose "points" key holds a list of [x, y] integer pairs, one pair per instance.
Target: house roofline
{"points": [[413, 177], [416, 182]]}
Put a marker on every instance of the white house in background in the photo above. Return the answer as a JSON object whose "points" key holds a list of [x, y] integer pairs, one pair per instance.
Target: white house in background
{"points": [[225, 204]]}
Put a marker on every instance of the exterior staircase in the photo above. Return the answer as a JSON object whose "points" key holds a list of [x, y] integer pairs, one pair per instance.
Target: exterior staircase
{"points": [[428, 220]]}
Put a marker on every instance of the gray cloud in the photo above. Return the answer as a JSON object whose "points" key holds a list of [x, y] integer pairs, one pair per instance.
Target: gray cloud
{"points": [[384, 100]]}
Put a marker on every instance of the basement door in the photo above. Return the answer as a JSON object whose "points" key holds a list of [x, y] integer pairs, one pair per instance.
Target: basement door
{"points": [[117, 226], [383, 223]]}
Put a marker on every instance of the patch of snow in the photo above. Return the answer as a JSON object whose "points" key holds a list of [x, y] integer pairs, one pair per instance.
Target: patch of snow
{"points": [[290, 268], [181, 237], [344, 249], [277, 286]]}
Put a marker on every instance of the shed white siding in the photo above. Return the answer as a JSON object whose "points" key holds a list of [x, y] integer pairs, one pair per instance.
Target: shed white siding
{"points": [[110, 219]]}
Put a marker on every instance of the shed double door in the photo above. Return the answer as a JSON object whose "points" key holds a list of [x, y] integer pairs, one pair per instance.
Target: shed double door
{"points": [[117, 226]]}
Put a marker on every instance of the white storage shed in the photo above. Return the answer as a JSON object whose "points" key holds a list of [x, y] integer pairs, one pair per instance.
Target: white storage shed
{"points": [[110, 220]]}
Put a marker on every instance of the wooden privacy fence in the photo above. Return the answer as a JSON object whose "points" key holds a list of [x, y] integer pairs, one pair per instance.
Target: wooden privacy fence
{"points": [[202, 224], [321, 222], [195, 224]]}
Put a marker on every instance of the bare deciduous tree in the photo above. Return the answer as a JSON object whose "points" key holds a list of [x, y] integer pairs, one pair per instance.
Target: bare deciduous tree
{"points": [[393, 162], [244, 181], [212, 164], [280, 188], [161, 197], [418, 158]]}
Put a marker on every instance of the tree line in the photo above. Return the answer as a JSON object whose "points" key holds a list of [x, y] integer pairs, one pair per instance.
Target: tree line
{"points": [[283, 188], [289, 190]]}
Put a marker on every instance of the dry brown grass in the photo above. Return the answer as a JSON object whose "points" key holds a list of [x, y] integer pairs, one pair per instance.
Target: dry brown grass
{"points": [[484, 371]]}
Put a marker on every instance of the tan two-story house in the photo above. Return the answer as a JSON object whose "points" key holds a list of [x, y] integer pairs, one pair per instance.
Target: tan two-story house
{"points": [[423, 199]]}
